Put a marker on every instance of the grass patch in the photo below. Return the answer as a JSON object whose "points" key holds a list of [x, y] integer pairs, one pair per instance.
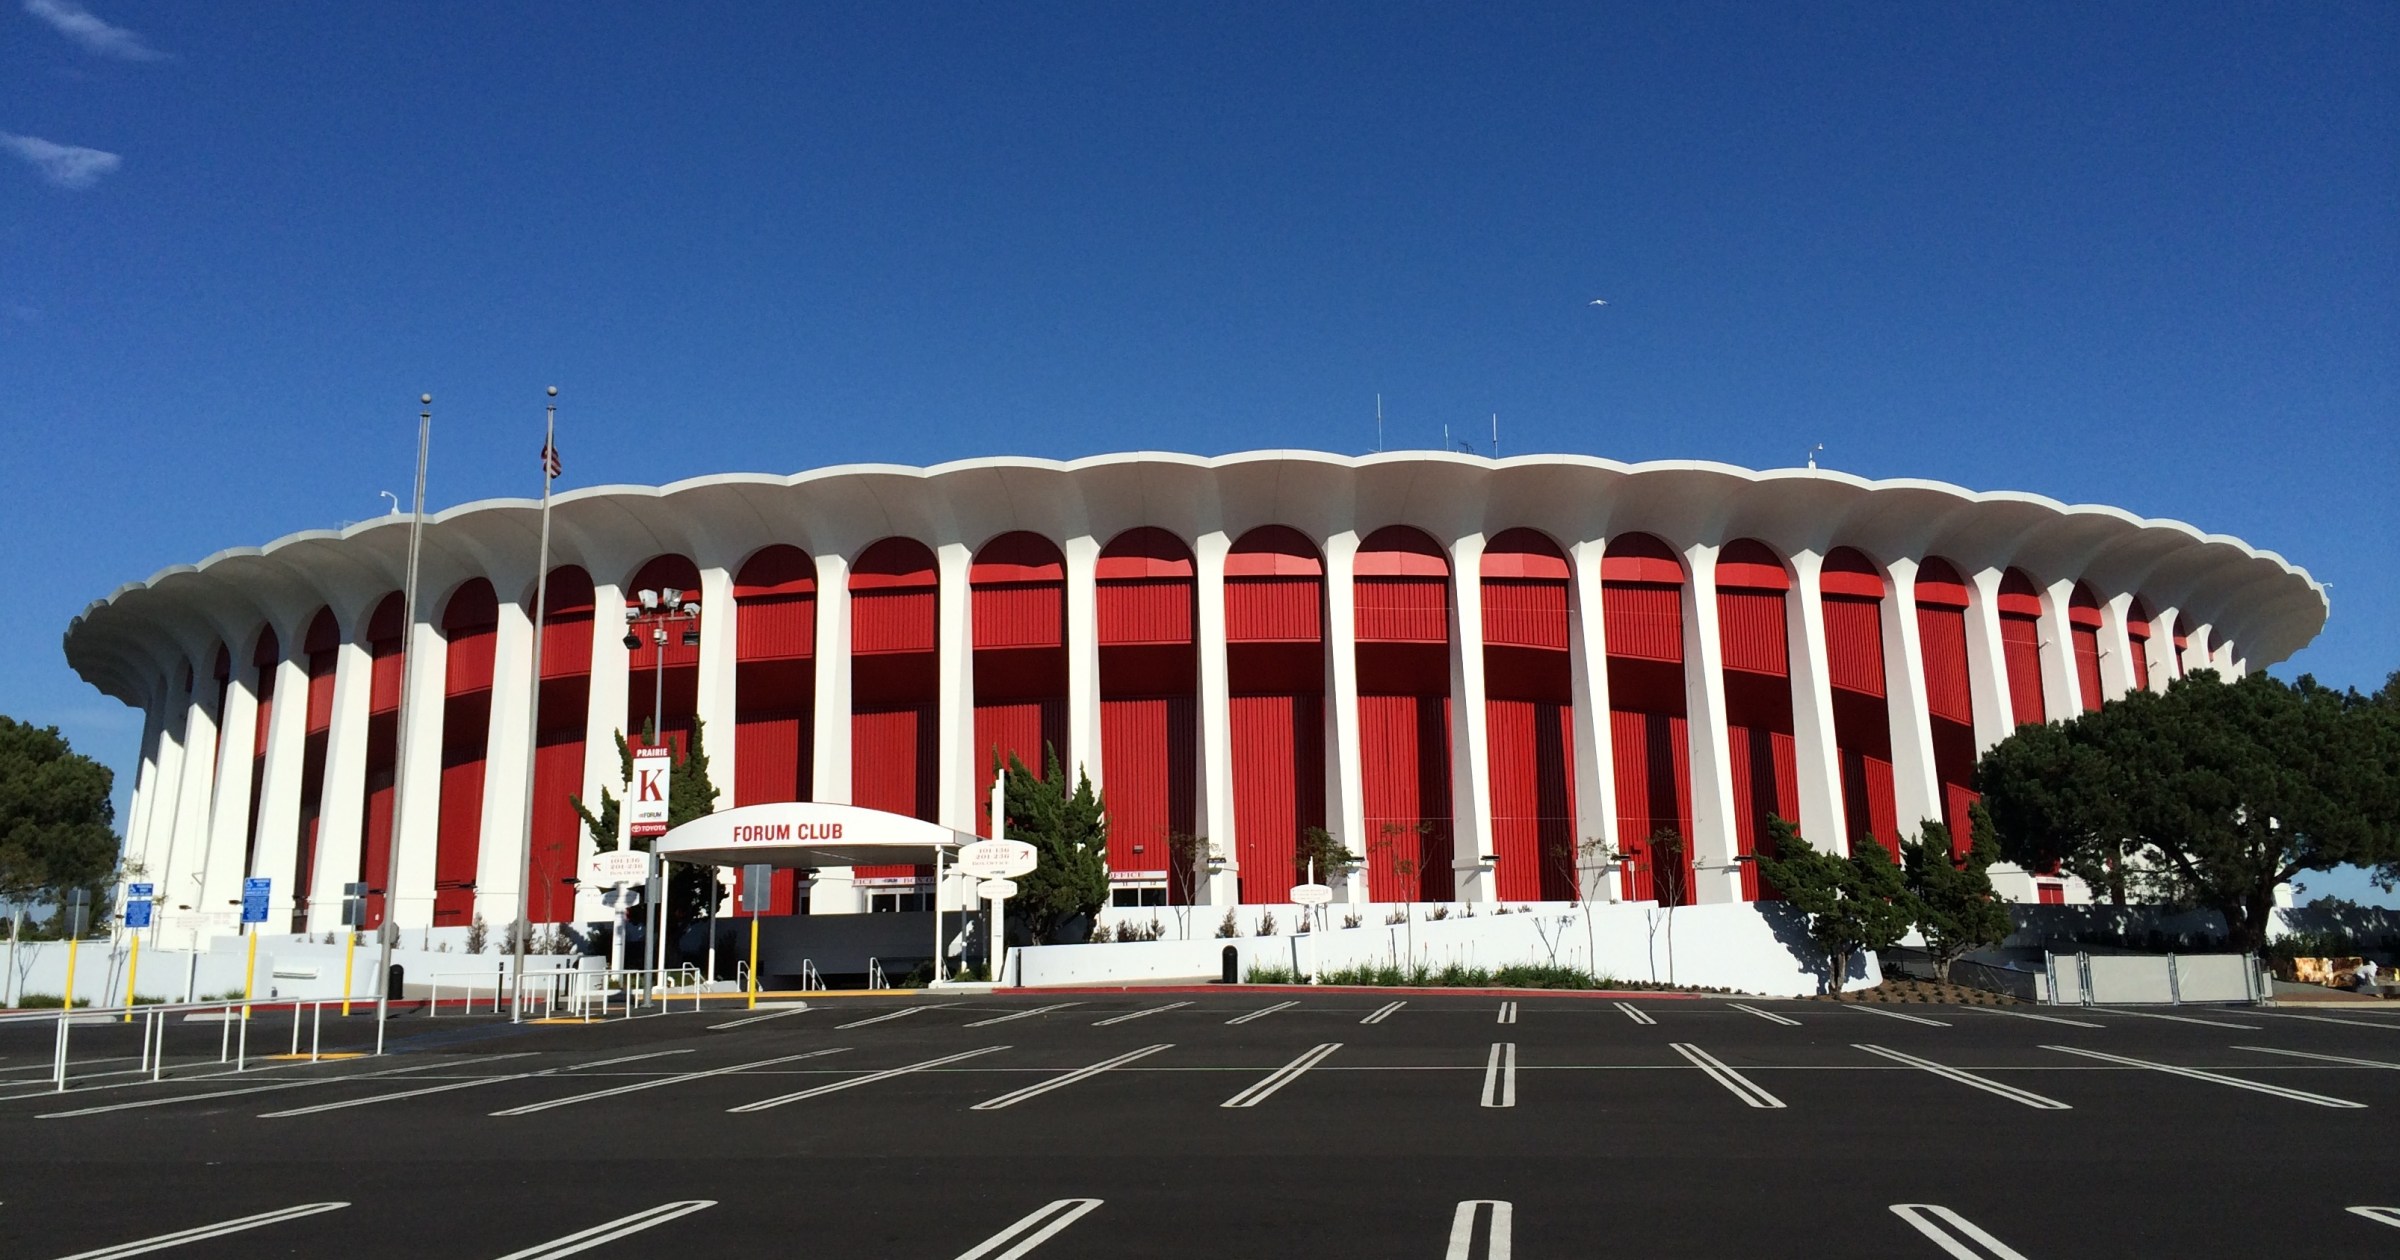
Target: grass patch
{"points": [[1451, 976]]}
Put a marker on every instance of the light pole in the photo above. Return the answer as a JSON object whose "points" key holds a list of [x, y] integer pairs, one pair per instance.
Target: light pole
{"points": [[654, 611], [401, 716]]}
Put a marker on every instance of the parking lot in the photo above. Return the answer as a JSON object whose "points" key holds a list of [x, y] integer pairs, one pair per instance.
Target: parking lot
{"points": [[1232, 1123]]}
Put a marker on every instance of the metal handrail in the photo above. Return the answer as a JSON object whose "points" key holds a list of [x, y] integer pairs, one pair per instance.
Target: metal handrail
{"points": [[233, 1037]]}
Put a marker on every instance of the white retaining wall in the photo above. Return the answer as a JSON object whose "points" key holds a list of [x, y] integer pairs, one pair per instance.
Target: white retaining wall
{"points": [[287, 968]]}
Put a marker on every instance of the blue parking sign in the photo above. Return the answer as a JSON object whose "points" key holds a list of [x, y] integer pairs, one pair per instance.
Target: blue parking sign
{"points": [[254, 899], [137, 913]]}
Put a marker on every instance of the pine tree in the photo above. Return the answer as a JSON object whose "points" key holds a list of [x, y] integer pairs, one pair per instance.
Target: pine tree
{"points": [[1069, 833], [1851, 904], [1955, 906]]}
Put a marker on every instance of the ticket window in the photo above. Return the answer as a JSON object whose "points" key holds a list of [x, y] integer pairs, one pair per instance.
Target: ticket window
{"points": [[897, 901], [1138, 895]]}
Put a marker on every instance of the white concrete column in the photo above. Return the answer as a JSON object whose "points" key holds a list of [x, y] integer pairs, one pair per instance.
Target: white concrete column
{"points": [[603, 722], [1215, 806], [224, 854], [1595, 739], [1916, 787], [417, 797], [342, 805], [2062, 686], [180, 884], [1818, 760], [1345, 765], [1473, 861], [500, 834], [720, 622], [1987, 661], [147, 768], [2162, 648], [1715, 878], [1083, 661], [279, 792], [829, 772], [2116, 649], [167, 803], [2195, 647], [957, 768]]}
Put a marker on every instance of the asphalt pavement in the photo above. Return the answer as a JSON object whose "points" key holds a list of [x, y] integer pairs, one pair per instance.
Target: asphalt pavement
{"points": [[1226, 1124]]}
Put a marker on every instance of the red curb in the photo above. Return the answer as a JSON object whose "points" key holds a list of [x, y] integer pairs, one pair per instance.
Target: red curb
{"points": [[1428, 991]]}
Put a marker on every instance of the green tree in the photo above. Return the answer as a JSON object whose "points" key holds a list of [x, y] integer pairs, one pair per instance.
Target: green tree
{"points": [[690, 794], [1955, 906], [2211, 795], [1851, 904], [56, 823], [1330, 856], [1069, 833]]}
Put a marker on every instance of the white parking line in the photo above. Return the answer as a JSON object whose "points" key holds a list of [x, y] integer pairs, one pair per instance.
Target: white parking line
{"points": [[1500, 1075], [905, 1010], [259, 1089], [1496, 1236], [199, 1232], [2047, 1019], [2196, 1074], [1742, 1086], [1119, 1019], [1767, 1015], [1938, 1223], [638, 1086], [856, 1081], [757, 1019], [610, 1231], [2180, 1019], [1964, 1077], [2380, 1215], [1382, 1013], [1039, 1010], [1013, 1097], [1508, 1013], [2328, 1019], [1914, 1019], [372, 1099], [1264, 1010], [2327, 1058], [1036, 1228], [1635, 1013], [1281, 1077]]}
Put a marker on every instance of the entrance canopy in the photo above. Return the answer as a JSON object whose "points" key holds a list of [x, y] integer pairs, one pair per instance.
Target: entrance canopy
{"points": [[807, 834]]}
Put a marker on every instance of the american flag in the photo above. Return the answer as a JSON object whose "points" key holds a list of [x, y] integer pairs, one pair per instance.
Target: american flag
{"points": [[550, 464]]}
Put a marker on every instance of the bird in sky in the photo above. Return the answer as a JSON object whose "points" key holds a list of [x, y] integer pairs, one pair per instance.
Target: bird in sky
{"points": [[1599, 301]]}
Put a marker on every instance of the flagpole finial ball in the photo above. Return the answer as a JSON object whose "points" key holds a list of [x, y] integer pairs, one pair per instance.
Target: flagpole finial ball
{"points": [[554, 391], [425, 398]]}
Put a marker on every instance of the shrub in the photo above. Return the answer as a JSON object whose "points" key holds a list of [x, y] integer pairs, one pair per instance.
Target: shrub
{"points": [[1272, 973], [1399, 915], [1101, 934], [1228, 926], [1352, 920], [1266, 924], [1438, 912]]}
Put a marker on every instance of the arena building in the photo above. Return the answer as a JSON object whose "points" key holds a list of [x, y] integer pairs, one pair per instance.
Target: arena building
{"points": [[1495, 680]]}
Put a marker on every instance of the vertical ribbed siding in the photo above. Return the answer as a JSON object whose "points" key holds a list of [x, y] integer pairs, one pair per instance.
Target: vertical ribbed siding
{"points": [[1404, 747], [1751, 623], [2087, 665], [557, 773], [1274, 610], [1147, 743], [1533, 798], [1278, 786], [1029, 615], [470, 624], [1022, 729], [891, 621], [1766, 784], [1654, 792], [1951, 712], [1524, 613], [1644, 620], [1403, 610], [775, 627], [1149, 611], [774, 687], [2020, 643], [1854, 644], [1758, 698], [892, 768]]}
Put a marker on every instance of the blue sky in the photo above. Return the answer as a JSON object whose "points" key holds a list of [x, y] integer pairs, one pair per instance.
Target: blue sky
{"points": [[2145, 256]]}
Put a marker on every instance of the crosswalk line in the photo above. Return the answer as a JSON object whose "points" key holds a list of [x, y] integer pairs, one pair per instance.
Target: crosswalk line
{"points": [[856, 1081], [1500, 1075], [1769, 1016], [1281, 1077], [2256, 1087], [1508, 1013], [1032, 1230], [1263, 1012], [1740, 1086], [201, 1232], [610, 1231], [1013, 1097], [1970, 1079], [1954, 1234], [1026, 1014], [638, 1086], [1119, 1019]]}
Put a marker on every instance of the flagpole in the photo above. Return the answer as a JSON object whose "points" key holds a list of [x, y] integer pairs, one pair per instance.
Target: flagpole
{"points": [[541, 595], [403, 714]]}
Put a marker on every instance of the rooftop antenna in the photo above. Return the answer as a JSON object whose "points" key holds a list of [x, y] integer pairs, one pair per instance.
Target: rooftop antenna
{"points": [[1813, 452], [395, 502], [1495, 435], [1379, 423]]}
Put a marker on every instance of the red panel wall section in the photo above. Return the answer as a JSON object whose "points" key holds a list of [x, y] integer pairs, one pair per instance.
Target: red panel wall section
{"points": [[1643, 620], [892, 768], [459, 824], [1752, 626], [780, 627], [375, 852], [1278, 609], [1766, 783], [320, 691], [557, 832], [1020, 615], [2020, 648], [1148, 745], [1943, 632], [1278, 786], [567, 645], [2141, 663], [1404, 751], [892, 620], [1145, 612], [2087, 666], [1020, 729], [1533, 798], [1524, 613], [1862, 737], [1854, 643], [383, 691], [775, 750], [1652, 754], [1403, 610], [2051, 894]]}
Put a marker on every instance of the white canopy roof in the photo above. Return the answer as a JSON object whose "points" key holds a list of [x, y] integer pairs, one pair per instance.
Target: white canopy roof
{"points": [[808, 834]]}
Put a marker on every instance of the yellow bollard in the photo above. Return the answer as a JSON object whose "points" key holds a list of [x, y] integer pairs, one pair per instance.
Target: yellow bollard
{"points": [[133, 967], [753, 963], [349, 953], [250, 973], [68, 1002]]}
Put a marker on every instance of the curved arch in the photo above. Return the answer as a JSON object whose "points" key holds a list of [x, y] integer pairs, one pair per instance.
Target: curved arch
{"points": [[1017, 556], [324, 632], [2083, 607], [1274, 551], [1750, 565], [775, 571], [383, 624], [893, 563], [1939, 584], [1849, 572], [663, 572], [1401, 551], [2019, 596], [473, 606], [1639, 557], [1145, 551], [1526, 554]]}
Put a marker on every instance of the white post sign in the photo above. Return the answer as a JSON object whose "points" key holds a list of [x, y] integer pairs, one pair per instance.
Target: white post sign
{"points": [[646, 799]]}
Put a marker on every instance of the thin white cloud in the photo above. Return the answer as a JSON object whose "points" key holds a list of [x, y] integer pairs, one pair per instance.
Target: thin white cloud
{"points": [[66, 165], [88, 29]]}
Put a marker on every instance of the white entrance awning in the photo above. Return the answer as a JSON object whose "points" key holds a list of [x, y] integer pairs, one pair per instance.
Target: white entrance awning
{"points": [[807, 834]]}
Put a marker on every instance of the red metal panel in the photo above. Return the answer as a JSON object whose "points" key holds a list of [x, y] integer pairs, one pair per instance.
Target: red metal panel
{"points": [[1939, 584], [1273, 551], [1533, 798], [1750, 565], [2141, 664], [1020, 615], [891, 621], [557, 832], [1854, 643], [780, 571], [1404, 749], [775, 627], [772, 755], [1525, 555], [1403, 609], [1943, 632], [1641, 558], [1524, 613], [1643, 620], [375, 853], [1652, 754], [2020, 646], [1148, 745], [459, 825], [2087, 665], [1274, 610], [1021, 729], [1766, 784], [1752, 626], [1145, 553], [892, 759], [1018, 557], [1149, 611], [1278, 786], [1848, 572], [2052, 894], [467, 665]]}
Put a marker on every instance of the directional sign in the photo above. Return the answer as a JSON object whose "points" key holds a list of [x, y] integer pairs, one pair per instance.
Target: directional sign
{"points": [[254, 899], [758, 887], [618, 867], [1311, 894], [997, 859], [996, 889], [140, 892]]}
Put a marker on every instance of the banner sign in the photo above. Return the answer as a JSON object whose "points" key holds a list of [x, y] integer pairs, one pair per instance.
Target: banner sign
{"points": [[646, 798], [618, 867], [997, 859]]}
